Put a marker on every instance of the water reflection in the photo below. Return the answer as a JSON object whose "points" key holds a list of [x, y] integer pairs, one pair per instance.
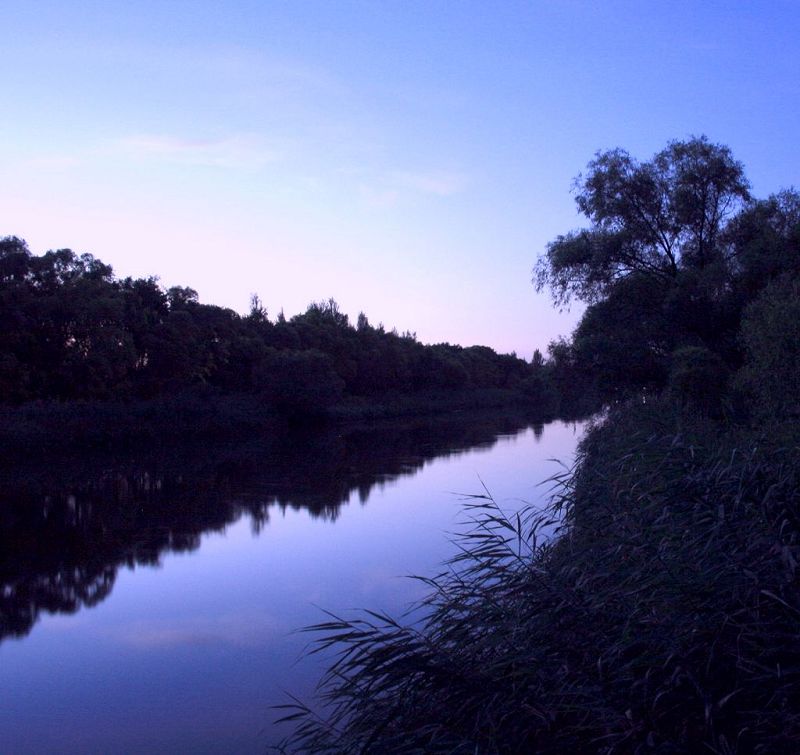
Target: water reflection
{"points": [[67, 525]]}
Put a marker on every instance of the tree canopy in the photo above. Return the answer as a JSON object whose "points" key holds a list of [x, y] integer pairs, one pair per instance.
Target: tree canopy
{"points": [[675, 252], [650, 218]]}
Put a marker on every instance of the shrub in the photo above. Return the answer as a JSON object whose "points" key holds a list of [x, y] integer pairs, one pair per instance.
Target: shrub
{"points": [[698, 379], [299, 382], [770, 334]]}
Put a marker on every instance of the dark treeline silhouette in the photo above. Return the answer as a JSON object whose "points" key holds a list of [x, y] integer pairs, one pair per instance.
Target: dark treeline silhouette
{"points": [[69, 524], [69, 329]]}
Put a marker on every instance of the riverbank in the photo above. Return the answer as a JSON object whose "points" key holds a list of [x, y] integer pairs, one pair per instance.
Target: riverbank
{"points": [[663, 618], [439, 402], [50, 426]]}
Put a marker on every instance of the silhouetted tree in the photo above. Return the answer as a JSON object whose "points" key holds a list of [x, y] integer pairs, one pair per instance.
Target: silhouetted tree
{"points": [[674, 250], [650, 218], [764, 242]]}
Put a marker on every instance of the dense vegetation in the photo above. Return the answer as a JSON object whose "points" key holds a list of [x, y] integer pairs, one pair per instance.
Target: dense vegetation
{"points": [[675, 254], [664, 617], [70, 330]]}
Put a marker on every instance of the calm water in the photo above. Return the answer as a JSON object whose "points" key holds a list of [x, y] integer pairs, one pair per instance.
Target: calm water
{"points": [[147, 603]]}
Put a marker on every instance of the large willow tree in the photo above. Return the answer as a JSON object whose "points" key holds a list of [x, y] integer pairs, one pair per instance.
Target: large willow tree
{"points": [[651, 218]]}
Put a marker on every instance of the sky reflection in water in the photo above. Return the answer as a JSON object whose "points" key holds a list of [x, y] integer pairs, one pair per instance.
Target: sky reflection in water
{"points": [[189, 655]]}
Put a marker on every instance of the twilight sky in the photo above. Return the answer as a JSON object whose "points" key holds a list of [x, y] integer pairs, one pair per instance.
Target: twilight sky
{"points": [[409, 159]]}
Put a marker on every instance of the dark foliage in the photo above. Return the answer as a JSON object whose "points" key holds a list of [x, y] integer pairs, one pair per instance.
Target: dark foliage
{"points": [[675, 252], [69, 330]]}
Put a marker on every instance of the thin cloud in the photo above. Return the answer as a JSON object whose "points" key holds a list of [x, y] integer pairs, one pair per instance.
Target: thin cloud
{"points": [[53, 162], [393, 187], [439, 183], [379, 198], [236, 152]]}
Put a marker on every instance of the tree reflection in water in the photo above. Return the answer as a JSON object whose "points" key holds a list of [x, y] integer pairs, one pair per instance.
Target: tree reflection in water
{"points": [[68, 524]]}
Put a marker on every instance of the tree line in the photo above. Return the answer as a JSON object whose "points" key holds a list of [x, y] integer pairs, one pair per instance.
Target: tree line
{"points": [[71, 330]]}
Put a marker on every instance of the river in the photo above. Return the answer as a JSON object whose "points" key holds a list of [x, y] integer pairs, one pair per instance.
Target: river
{"points": [[149, 601]]}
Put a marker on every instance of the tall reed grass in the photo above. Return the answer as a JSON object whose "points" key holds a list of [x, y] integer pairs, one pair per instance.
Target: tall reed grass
{"points": [[664, 617]]}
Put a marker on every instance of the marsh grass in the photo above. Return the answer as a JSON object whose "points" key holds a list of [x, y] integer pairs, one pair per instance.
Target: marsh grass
{"points": [[663, 617]]}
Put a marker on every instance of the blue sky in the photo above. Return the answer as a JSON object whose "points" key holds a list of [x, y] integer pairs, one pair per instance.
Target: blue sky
{"points": [[410, 159]]}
